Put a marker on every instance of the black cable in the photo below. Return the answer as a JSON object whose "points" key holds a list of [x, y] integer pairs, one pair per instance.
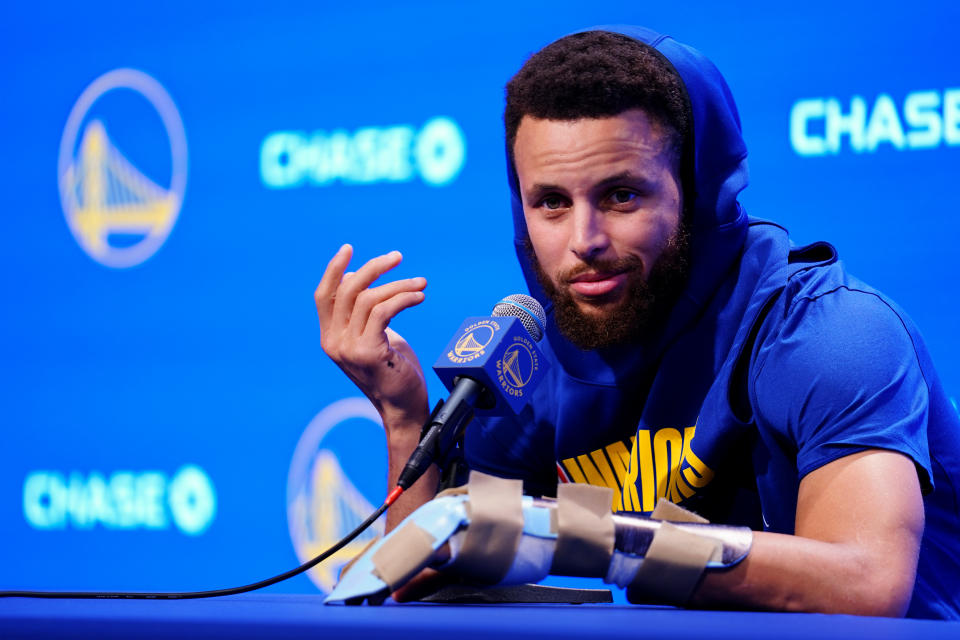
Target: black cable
{"points": [[216, 592]]}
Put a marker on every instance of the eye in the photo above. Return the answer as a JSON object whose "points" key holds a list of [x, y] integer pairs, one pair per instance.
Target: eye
{"points": [[622, 196], [552, 202]]}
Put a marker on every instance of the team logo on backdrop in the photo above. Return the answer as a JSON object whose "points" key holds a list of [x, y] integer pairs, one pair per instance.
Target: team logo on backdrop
{"points": [[474, 341], [435, 153], [334, 484], [123, 500], [828, 126], [123, 168]]}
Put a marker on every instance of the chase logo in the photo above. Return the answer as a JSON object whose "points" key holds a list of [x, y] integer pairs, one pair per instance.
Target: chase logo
{"points": [[924, 120], [123, 500], [335, 482], [122, 168], [517, 366], [435, 153], [474, 341]]}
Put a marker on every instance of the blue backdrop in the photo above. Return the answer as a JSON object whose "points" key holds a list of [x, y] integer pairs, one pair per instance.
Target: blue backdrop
{"points": [[175, 178]]}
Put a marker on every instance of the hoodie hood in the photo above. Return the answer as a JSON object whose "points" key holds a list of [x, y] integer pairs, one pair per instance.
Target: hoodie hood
{"points": [[717, 222]]}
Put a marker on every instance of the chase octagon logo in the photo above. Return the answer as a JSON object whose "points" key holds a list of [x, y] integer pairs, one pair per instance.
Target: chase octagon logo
{"points": [[336, 480], [122, 168]]}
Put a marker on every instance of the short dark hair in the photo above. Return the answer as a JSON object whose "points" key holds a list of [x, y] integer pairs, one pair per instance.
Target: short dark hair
{"points": [[597, 74]]}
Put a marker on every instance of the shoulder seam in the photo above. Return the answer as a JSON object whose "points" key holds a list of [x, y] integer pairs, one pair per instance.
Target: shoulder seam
{"points": [[814, 298], [755, 375]]}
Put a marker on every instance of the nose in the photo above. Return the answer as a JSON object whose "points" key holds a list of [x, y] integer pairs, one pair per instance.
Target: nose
{"points": [[588, 238]]}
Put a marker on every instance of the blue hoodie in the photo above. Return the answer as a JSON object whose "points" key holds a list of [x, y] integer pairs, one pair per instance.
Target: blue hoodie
{"points": [[773, 362]]}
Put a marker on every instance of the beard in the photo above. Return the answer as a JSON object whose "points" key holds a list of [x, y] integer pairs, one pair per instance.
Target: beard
{"points": [[638, 313]]}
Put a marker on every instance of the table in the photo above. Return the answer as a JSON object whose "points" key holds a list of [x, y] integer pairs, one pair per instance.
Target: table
{"points": [[279, 616]]}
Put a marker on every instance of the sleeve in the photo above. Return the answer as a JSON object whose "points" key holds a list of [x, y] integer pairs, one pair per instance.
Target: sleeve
{"points": [[842, 375]]}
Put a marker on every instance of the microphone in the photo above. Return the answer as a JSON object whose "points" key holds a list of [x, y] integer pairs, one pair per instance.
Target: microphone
{"points": [[492, 365]]}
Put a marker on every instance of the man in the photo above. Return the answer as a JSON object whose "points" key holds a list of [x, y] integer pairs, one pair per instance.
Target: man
{"points": [[697, 355]]}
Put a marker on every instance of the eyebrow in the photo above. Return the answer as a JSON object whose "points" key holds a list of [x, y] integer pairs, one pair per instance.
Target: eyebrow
{"points": [[626, 176], [622, 177]]}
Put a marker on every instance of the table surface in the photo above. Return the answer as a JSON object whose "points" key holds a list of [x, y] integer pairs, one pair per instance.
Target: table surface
{"points": [[277, 616]]}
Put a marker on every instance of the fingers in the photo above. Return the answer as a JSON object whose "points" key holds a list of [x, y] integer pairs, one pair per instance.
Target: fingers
{"points": [[383, 303], [383, 313], [346, 294], [351, 312], [421, 585], [325, 294]]}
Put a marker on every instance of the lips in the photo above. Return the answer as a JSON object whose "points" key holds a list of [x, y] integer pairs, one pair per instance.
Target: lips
{"points": [[597, 283]]}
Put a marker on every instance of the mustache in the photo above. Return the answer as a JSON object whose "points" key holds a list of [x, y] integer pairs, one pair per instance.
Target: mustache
{"points": [[617, 265]]}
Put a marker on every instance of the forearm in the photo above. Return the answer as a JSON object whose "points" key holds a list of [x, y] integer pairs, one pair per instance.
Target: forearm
{"points": [[855, 550], [402, 439], [790, 573], [354, 318]]}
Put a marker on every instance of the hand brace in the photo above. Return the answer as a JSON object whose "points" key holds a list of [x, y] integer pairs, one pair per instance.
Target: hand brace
{"points": [[492, 534]]}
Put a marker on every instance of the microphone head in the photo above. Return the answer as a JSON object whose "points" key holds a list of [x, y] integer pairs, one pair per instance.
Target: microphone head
{"points": [[527, 310], [499, 354]]}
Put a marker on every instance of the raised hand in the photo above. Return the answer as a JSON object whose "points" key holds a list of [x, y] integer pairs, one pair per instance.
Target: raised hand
{"points": [[354, 319]]}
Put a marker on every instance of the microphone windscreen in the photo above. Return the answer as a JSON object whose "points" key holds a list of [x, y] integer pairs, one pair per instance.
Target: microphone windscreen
{"points": [[526, 309]]}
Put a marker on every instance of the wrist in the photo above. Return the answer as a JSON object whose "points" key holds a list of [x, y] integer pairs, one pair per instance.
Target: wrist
{"points": [[402, 422], [402, 442], [403, 432]]}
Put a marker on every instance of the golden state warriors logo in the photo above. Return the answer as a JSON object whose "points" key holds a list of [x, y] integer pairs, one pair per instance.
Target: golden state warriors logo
{"points": [[474, 341], [336, 481], [122, 168], [516, 367]]}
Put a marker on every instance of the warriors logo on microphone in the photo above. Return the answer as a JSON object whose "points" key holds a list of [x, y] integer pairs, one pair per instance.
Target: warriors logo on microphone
{"points": [[517, 366], [474, 340], [498, 353], [334, 484]]}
